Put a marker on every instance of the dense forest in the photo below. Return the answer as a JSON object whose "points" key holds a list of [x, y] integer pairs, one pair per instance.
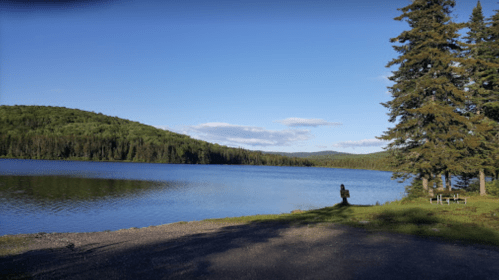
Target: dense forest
{"points": [[45, 132], [306, 154], [445, 97], [374, 161]]}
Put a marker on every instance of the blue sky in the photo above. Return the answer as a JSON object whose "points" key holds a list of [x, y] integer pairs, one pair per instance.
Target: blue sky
{"points": [[289, 76]]}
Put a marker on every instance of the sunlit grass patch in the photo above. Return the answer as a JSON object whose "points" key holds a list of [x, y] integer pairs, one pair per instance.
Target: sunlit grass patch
{"points": [[11, 245], [474, 222]]}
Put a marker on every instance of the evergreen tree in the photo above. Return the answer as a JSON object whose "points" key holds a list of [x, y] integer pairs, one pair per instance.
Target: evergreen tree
{"points": [[464, 180], [428, 97], [481, 69], [491, 106]]}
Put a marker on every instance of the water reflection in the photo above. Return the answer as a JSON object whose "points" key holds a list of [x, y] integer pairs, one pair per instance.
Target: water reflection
{"points": [[59, 193], [70, 196]]}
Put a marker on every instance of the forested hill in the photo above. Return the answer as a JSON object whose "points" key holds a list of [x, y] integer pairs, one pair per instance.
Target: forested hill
{"points": [[45, 132], [374, 161], [305, 154]]}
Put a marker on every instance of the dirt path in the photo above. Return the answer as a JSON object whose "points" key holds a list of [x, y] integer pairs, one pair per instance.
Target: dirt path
{"points": [[205, 250]]}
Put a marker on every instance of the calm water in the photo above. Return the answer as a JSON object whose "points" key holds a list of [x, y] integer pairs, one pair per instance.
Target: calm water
{"points": [[74, 196]]}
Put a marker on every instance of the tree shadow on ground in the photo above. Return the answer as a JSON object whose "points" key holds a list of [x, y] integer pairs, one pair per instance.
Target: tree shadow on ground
{"points": [[299, 246], [414, 221]]}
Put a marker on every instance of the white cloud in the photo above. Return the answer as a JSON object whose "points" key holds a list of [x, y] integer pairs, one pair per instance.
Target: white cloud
{"points": [[320, 146], [306, 122], [361, 143], [229, 134]]}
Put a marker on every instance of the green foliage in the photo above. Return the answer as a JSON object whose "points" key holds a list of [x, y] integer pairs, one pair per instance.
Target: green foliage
{"points": [[465, 179], [447, 115], [307, 155], [414, 190], [451, 193], [40, 132], [374, 161], [492, 188], [474, 186]]}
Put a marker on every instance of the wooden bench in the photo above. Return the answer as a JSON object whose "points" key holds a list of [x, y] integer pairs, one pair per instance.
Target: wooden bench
{"points": [[454, 198]]}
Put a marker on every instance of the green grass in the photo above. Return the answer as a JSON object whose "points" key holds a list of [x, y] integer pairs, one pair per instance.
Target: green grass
{"points": [[12, 245], [477, 222]]}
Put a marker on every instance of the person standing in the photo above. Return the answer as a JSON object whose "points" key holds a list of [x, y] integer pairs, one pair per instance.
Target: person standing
{"points": [[344, 194]]}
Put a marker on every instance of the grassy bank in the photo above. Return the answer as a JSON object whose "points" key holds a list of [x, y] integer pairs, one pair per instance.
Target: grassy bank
{"points": [[477, 222]]}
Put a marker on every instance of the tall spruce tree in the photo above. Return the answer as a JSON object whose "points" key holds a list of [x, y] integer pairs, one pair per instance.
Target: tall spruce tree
{"points": [[428, 97], [491, 54], [481, 70], [491, 74], [464, 180]]}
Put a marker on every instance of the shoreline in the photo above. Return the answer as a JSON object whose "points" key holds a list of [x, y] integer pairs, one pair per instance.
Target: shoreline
{"points": [[430, 220], [249, 219], [128, 161], [246, 250]]}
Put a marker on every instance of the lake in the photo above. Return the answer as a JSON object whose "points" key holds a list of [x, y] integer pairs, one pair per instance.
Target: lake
{"points": [[76, 196]]}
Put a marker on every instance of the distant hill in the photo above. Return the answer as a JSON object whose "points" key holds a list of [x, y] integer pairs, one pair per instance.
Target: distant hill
{"points": [[45, 132], [333, 159], [382, 154], [305, 154], [55, 133], [373, 161]]}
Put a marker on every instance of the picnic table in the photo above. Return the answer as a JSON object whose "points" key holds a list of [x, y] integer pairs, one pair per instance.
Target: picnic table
{"points": [[454, 198]]}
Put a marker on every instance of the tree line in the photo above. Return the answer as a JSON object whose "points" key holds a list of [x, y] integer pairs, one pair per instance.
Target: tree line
{"points": [[45, 132], [375, 161], [445, 100], [115, 149], [39, 132]]}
